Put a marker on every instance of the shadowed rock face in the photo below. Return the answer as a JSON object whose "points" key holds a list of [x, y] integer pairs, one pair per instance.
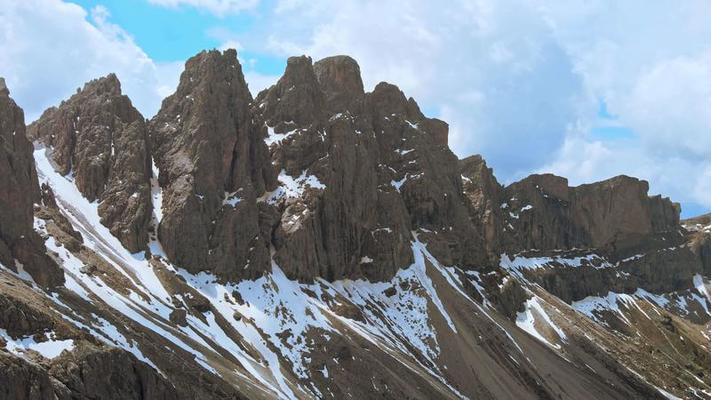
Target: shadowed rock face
{"points": [[89, 373], [101, 139], [18, 179], [212, 164], [700, 239], [548, 214]]}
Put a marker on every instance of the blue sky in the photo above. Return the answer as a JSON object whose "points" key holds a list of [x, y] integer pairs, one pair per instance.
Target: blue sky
{"points": [[584, 89], [176, 33]]}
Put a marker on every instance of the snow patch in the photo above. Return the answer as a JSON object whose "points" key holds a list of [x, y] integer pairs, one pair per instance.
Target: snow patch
{"points": [[277, 138], [50, 348], [534, 312], [519, 264], [292, 187]]}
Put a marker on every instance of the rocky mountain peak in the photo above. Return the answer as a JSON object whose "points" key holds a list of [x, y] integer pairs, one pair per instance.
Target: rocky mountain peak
{"points": [[295, 98], [545, 184], [99, 139], [340, 81], [209, 69], [21, 248], [4, 91], [323, 242], [600, 214], [108, 85], [213, 163], [387, 99]]}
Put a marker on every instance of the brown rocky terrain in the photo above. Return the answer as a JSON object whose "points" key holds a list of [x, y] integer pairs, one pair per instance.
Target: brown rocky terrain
{"points": [[372, 169], [20, 246], [322, 241], [700, 230], [99, 139], [213, 165]]}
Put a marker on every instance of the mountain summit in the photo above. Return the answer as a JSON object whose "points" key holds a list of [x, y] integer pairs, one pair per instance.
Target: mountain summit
{"points": [[321, 241]]}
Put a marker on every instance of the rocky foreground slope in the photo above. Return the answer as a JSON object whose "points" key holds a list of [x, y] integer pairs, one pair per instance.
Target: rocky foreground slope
{"points": [[320, 241]]}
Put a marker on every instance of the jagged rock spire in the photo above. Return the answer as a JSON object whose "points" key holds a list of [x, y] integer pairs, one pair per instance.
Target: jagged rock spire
{"points": [[213, 163], [4, 91], [20, 246], [99, 137]]}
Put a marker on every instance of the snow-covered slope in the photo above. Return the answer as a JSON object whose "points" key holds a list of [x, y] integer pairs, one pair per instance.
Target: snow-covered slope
{"points": [[274, 337]]}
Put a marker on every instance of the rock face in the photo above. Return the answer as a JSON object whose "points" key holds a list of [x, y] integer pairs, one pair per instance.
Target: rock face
{"points": [[346, 178], [614, 218], [88, 373], [20, 246], [358, 173], [548, 214], [110, 374], [484, 195], [699, 229], [213, 164], [542, 212], [100, 139]]}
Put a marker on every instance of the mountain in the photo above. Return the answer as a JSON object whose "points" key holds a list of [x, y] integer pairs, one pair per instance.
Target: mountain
{"points": [[321, 241]]}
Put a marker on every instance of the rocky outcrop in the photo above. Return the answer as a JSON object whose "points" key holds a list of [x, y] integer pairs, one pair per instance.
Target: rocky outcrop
{"points": [[484, 196], [345, 180], [358, 173], [100, 139], [614, 220], [93, 373], [543, 212], [340, 83], [85, 373], [699, 238], [20, 246], [638, 235], [213, 164], [21, 379], [19, 319]]}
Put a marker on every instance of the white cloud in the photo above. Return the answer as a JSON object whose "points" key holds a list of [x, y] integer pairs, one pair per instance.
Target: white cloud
{"points": [[50, 48], [583, 160], [492, 69], [670, 106], [258, 82], [217, 7]]}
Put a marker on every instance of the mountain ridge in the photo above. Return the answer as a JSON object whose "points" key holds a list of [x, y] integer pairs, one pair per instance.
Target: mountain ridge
{"points": [[320, 241]]}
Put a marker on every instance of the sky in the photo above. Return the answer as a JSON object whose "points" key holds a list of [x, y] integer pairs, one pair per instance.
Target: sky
{"points": [[586, 89]]}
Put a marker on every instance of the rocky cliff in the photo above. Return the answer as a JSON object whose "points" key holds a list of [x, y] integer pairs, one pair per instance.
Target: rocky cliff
{"points": [[322, 241], [21, 249], [213, 165], [358, 172], [99, 140]]}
